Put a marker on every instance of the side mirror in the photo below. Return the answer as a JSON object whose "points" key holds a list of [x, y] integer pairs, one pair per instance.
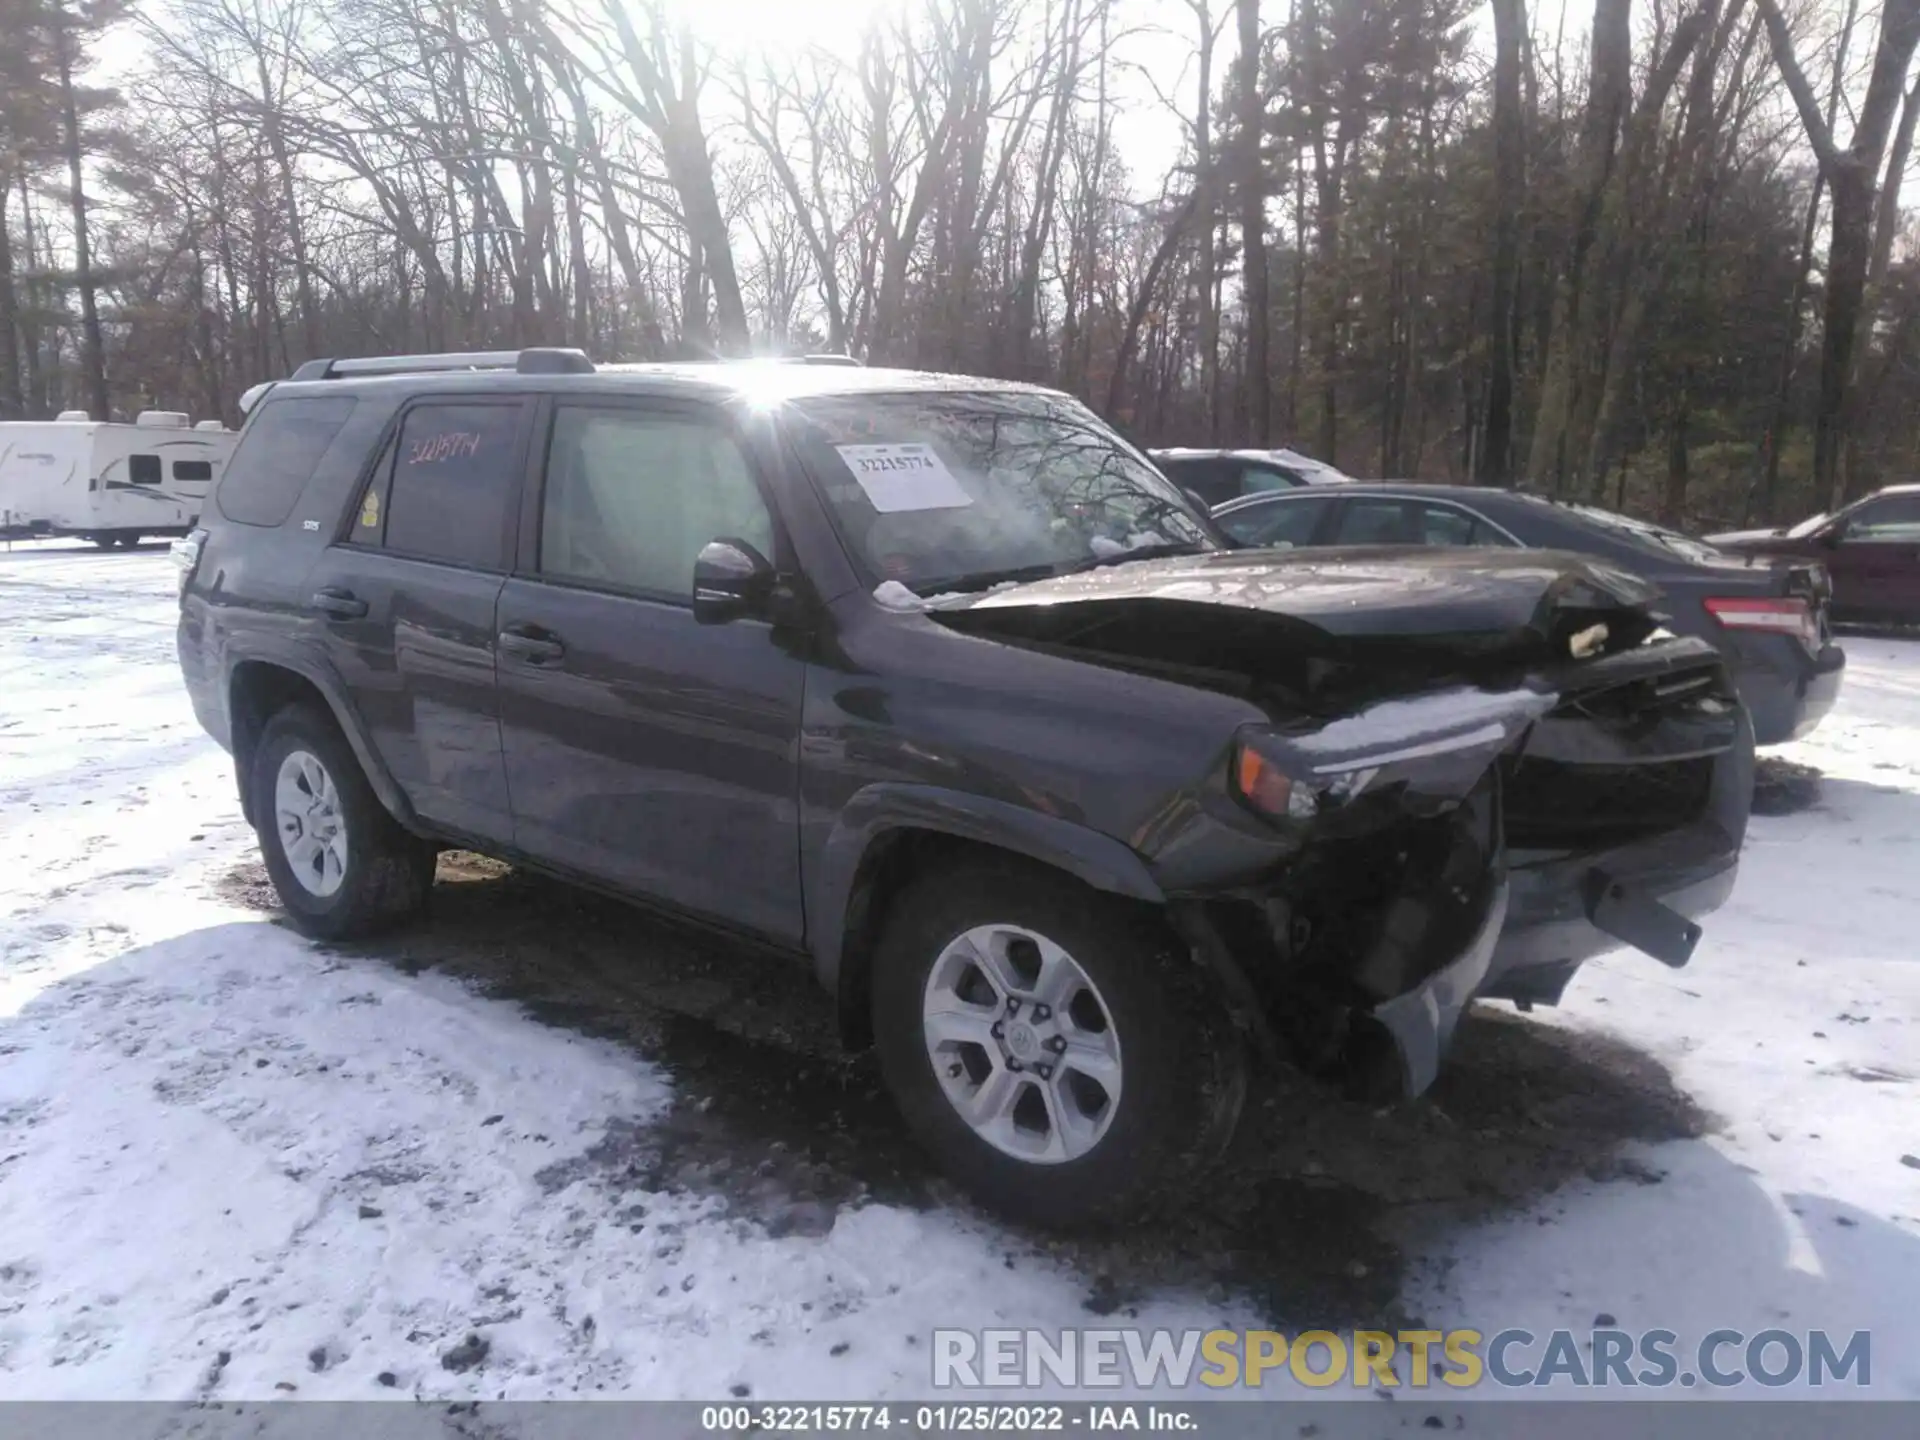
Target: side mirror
{"points": [[731, 579], [1834, 534]]}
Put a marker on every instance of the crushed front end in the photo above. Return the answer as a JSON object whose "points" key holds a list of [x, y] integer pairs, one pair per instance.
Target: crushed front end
{"points": [[1475, 842], [1477, 770]]}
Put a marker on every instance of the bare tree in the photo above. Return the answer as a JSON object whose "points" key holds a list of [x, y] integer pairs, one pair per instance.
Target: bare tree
{"points": [[1851, 174]]}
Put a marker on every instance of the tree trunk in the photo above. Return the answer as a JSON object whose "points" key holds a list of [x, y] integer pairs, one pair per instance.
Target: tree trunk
{"points": [[1253, 228], [1495, 458], [1205, 186], [94, 347], [12, 401], [1143, 300], [296, 227], [1851, 177], [35, 375], [1609, 95]]}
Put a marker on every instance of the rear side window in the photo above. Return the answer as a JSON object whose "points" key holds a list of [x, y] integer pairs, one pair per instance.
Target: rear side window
{"points": [[1380, 522], [143, 469], [1444, 525], [1279, 525], [1255, 479], [1212, 481], [452, 485], [277, 456]]}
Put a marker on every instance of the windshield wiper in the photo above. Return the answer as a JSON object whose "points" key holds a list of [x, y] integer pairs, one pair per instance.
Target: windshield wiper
{"points": [[984, 580], [1021, 574], [1140, 552]]}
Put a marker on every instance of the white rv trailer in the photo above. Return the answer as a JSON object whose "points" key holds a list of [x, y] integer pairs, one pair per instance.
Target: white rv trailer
{"points": [[108, 482]]}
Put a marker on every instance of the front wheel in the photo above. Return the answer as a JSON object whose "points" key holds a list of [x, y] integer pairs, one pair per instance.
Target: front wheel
{"points": [[341, 864], [1051, 1047]]}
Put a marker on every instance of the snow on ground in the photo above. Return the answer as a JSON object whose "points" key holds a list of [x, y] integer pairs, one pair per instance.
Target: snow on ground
{"points": [[1798, 1026], [235, 1165]]}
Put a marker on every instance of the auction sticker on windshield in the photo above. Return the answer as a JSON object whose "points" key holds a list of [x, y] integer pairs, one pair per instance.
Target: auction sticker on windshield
{"points": [[904, 477]]}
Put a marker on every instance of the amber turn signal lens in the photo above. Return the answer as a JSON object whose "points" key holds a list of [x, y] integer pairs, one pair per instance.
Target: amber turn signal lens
{"points": [[1260, 782]]}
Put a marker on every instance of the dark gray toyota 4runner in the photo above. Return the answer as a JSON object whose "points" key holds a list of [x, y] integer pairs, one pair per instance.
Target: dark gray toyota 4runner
{"points": [[937, 684]]}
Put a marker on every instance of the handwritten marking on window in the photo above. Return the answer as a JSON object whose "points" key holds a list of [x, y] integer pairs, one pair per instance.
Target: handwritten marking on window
{"points": [[436, 449]]}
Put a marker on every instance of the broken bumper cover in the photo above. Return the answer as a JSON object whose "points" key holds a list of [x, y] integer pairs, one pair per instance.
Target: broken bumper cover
{"points": [[1534, 937], [1421, 1021], [1606, 819]]}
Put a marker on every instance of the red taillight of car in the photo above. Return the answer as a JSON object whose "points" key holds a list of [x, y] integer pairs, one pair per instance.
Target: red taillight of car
{"points": [[1789, 615]]}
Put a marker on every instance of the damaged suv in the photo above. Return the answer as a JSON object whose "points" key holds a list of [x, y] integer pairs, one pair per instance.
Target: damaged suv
{"points": [[938, 686]]}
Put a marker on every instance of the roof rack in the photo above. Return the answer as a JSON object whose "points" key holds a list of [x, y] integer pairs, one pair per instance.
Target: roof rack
{"points": [[540, 360]]}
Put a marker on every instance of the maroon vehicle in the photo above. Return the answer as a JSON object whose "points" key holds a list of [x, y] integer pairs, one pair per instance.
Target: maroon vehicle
{"points": [[1871, 551]]}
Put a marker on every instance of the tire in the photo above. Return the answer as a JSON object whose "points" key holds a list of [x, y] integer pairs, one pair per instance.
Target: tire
{"points": [[358, 872], [102, 542], [1073, 1154], [128, 539]]}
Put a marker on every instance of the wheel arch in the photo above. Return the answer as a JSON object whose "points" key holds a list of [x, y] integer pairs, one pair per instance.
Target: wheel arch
{"points": [[258, 688], [889, 833]]}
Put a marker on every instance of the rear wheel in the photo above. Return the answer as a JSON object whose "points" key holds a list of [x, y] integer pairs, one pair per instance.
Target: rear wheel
{"points": [[1050, 1046], [341, 864]]}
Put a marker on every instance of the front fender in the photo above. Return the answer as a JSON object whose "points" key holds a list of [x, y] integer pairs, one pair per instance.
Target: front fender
{"points": [[831, 876]]}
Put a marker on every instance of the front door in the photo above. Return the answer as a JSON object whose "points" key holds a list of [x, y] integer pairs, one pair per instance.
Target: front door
{"points": [[644, 749], [408, 599], [1876, 566]]}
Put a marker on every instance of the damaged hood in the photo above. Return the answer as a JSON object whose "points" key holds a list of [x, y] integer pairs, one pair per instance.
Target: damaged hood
{"points": [[1323, 631], [1482, 599]]}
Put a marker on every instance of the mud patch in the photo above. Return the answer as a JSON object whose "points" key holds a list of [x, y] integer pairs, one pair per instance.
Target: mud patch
{"points": [[1310, 1218], [1784, 787]]}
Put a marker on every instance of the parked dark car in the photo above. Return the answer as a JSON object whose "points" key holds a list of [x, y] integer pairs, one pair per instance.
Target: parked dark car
{"points": [[938, 687], [1217, 476], [1769, 621], [1871, 549]]}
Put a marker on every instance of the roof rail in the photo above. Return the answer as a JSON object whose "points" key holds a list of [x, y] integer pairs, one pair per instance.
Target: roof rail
{"points": [[540, 360]]}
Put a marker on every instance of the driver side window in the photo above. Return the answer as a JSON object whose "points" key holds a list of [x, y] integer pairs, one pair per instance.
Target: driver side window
{"points": [[1894, 520], [632, 497]]}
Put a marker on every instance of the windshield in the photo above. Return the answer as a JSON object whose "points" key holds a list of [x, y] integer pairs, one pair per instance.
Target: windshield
{"points": [[1807, 527], [945, 492], [1649, 535]]}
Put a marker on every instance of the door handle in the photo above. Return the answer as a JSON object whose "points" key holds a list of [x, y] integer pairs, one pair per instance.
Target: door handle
{"points": [[524, 643], [338, 604]]}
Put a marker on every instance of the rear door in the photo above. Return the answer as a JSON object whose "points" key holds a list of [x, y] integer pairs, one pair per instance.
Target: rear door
{"points": [[643, 749], [408, 595], [1876, 566], [1402, 520]]}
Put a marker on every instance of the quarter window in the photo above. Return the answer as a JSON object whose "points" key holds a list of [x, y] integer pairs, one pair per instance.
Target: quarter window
{"points": [[278, 454], [633, 497]]}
